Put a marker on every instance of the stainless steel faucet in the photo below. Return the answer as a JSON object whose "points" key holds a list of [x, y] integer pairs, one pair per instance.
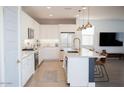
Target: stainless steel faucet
{"points": [[75, 41]]}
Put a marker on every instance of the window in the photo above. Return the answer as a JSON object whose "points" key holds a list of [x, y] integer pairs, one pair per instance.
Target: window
{"points": [[66, 39], [87, 40], [88, 37]]}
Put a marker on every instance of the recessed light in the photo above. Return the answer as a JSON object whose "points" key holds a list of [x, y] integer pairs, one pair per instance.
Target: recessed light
{"points": [[50, 15], [84, 8], [48, 7]]}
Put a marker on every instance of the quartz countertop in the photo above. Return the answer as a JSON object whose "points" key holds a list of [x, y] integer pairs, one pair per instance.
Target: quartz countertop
{"points": [[27, 53], [83, 52]]}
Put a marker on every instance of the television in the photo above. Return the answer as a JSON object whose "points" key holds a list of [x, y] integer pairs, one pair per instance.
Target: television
{"points": [[111, 38]]}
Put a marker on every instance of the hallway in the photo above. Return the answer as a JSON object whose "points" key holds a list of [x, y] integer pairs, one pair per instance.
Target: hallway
{"points": [[49, 74]]}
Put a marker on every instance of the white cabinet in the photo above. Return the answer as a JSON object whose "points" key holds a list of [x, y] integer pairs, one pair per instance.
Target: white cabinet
{"points": [[39, 56], [24, 26], [53, 31], [49, 32], [36, 30], [27, 68], [78, 71], [49, 53], [67, 28]]}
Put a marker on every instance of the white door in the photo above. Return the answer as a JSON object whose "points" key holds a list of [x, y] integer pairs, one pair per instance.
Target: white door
{"points": [[11, 45]]}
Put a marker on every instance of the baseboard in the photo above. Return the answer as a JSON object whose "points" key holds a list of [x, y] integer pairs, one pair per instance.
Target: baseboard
{"points": [[91, 84]]}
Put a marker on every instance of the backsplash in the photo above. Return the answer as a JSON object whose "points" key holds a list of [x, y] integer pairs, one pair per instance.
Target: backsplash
{"points": [[49, 42], [29, 43]]}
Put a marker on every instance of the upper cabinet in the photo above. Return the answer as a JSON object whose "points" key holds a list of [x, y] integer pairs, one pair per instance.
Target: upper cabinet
{"points": [[67, 28], [36, 30], [53, 31], [49, 32]]}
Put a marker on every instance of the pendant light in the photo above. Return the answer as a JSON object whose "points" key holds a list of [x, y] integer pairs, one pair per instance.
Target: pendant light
{"points": [[80, 28], [88, 25], [83, 26]]}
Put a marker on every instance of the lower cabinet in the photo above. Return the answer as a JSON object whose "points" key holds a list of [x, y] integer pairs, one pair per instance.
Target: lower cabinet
{"points": [[77, 71], [49, 53], [80, 71], [27, 68], [40, 59]]}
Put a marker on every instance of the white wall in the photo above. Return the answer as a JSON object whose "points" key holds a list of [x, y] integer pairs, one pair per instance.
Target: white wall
{"points": [[107, 26], [28, 22]]}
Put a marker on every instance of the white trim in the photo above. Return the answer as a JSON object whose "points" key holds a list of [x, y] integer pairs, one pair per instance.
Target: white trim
{"points": [[2, 45], [19, 45], [91, 84]]}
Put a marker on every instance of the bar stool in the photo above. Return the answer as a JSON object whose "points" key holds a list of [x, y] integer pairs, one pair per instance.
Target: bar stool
{"points": [[100, 68]]}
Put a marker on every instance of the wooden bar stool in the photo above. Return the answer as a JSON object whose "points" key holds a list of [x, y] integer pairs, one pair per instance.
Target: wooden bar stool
{"points": [[100, 67]]}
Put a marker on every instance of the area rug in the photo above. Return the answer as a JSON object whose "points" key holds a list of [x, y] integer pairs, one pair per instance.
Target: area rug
{"points": [[50, 77]]}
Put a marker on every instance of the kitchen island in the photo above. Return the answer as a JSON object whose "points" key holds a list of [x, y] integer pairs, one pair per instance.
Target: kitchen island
{"points": [[79, 67]]}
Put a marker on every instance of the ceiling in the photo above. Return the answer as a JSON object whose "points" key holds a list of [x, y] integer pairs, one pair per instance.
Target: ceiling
{"points": [[71, 12]]}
